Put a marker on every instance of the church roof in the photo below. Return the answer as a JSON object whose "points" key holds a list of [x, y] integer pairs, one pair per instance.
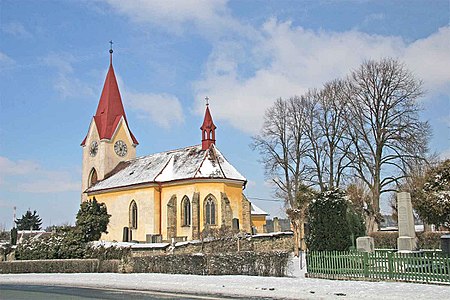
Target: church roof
{"points": [[182, 164], [110, 109], [208, 121], [257, 211]]}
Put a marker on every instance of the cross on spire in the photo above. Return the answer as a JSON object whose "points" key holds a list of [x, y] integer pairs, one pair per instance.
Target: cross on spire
{"points": [[110, 51], [207, 100]]}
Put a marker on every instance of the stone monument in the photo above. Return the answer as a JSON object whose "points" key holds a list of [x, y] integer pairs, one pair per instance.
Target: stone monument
{"points": [[406, 230], [365, 244], [276, 225]]}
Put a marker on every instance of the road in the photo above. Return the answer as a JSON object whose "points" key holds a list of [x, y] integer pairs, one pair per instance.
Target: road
{"points": [[42, 292]]}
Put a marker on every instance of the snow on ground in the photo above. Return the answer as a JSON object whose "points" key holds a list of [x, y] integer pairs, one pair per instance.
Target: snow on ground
{"points": [[295, 287]]}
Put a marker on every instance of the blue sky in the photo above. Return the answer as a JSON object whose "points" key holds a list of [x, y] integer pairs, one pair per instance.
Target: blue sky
{"points": [[168, 56]]}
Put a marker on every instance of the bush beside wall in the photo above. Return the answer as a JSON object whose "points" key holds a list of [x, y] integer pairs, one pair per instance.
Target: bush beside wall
{"points": [[60, 266], [425, 240], [429, 240]]}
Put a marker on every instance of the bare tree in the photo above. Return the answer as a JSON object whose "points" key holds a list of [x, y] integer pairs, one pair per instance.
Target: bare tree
{"points": [[384, 125], [328, 134], [283, 146]]}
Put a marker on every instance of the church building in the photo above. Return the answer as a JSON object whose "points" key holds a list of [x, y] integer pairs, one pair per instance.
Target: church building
{"points": [[172, 195]]}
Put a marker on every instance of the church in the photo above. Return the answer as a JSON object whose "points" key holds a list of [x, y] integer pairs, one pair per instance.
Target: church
{"points": [[167, 196]]}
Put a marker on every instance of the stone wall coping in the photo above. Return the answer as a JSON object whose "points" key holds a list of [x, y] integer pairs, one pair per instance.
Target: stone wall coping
{"points": [[270, 234]]}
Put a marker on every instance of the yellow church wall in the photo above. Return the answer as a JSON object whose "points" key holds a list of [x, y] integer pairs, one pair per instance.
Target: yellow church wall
{"points": [[259, 222], [118, 205], [150, 209], [233, 191]]}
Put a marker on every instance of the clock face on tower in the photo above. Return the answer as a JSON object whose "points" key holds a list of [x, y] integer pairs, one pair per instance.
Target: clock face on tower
{"points": [[121, 148], [93, 149]]}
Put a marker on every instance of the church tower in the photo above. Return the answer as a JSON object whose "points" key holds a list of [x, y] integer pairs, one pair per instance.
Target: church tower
{"points": [[109, 139]]}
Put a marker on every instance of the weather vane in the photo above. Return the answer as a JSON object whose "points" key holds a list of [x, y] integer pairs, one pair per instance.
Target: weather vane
{"points": [[207, 100]]}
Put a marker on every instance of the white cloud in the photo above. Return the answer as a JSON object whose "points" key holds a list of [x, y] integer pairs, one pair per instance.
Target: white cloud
{"points": [[162, 109], [51, 182], [16, 29], [249, 67], [288, 60], [211, 18], [30, 176], [5, 60], [65, 83], [173, 14], [20, 167], [429, 58]]}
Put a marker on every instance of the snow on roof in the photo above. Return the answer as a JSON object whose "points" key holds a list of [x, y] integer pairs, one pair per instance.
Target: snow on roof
{"points": [[257, 211], [107, 244], [186, 163]]}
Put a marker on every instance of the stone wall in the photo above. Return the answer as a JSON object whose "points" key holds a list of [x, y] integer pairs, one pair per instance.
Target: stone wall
{"points": [[282, 241], [241, 263], [259, 243]]}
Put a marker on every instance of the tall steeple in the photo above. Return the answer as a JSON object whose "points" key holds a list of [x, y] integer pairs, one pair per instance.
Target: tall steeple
{"points": [[109, 139], [110, 108], [208, 129]]}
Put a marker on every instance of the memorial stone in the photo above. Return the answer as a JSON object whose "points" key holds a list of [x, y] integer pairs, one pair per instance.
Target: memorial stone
{"points": [[406, 229], [365, 244]]}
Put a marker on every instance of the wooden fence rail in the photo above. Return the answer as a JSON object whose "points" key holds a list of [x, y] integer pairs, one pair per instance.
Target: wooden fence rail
{"points": [[431, 266]]}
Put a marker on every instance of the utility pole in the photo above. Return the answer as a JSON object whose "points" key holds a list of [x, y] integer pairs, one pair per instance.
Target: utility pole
{"points": [[14, 216]]}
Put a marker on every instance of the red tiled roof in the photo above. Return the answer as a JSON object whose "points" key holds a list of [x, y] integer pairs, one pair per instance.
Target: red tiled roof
{"points": [[110, 109], [208, 121]]}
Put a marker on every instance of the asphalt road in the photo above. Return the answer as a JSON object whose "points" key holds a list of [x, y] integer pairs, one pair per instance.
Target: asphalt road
{"points": [[41, 292]]}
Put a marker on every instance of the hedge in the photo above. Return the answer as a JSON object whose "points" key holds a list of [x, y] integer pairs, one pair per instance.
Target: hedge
{"points": [[60, 266], [425, 240]]}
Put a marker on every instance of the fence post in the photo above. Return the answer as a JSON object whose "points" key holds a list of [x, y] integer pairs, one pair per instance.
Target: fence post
{"points": [[366, 264], [390, 265]]}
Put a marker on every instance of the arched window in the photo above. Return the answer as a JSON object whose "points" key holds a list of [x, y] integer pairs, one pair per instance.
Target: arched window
{"points": [[92, 177], [185, 211], [210, 210], [133, 215]]}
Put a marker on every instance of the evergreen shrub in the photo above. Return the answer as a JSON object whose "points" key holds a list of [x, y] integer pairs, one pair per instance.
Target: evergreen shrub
{"points": [[332, 222]]}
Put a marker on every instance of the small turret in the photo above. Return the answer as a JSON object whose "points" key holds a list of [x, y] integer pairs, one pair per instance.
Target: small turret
{"points": [[208, 129]]}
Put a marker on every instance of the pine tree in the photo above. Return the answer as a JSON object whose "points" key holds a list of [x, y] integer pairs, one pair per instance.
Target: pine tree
{"points": [[29, 221], [92, 220]]}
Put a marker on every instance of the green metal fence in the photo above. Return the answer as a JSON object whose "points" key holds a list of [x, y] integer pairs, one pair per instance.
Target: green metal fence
{"points": [[430, 266]]}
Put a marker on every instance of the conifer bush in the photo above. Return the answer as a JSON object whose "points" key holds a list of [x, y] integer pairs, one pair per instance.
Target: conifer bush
{"points": [[332, 222]]}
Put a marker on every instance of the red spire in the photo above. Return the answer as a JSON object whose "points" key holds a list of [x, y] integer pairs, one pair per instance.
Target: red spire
{"points": [[208, 129], [110, 108]]}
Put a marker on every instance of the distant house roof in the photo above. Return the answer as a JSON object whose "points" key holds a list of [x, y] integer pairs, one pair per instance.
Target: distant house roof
{"points": [[257, 211], [182, 164]]}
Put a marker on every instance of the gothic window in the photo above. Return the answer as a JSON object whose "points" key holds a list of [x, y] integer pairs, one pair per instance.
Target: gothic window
{"points": [[133, 215], [185, 211], [210, 207], [92, 177]]}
